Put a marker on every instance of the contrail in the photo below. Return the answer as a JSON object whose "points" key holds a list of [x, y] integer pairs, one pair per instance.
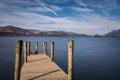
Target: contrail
{"points": [[44, 5]]}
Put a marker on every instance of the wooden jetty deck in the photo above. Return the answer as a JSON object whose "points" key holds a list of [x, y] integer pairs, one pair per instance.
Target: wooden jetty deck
{"points": [[40, 67]]}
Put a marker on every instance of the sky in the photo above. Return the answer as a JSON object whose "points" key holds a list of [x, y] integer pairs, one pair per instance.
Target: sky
{"points": [[80, 16]]}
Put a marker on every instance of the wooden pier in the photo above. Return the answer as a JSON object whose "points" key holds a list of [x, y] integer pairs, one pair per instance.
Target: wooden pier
{"points": [[41, 66]]}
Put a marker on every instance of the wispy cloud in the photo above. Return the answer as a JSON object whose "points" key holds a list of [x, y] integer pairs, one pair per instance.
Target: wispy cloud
{"points": [[21, 2], [56, 1], [104, 5], [46, 7], [111, 5], [37, 9], [2, 5], [79, 9], [56, 8], [80, 2], [107, 4]]}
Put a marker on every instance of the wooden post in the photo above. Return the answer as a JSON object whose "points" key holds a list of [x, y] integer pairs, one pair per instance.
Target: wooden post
{"points": [[52, 51], [36, 49], [18, 59], [28, 49], [45, 48], [70, 59], [29, 45], [25, 51]]}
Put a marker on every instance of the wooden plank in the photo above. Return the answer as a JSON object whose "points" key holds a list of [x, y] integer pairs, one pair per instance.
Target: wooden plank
{"points": [[40, 67]]}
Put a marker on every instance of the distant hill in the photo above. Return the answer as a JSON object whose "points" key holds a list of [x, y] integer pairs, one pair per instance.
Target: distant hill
{"points": [[2, 29], [114, 33], [16, 31]]}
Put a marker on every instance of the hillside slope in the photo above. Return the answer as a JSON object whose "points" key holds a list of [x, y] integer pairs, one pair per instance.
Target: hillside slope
{"points": [[114, 33], [16, 31]]}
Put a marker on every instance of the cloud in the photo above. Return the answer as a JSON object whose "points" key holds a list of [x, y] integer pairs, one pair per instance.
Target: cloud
{"points": [[110, 5], [11, 6], [80, 2], [21, 2], [2, 5], [79, 9], [30, 16], [56, 1], [86, 24], [37, 9], [56, 8], [105, 5], [44, 5]]}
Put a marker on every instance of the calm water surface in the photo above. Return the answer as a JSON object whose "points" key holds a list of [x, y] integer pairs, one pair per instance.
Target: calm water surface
{"points": [[94, 58]]}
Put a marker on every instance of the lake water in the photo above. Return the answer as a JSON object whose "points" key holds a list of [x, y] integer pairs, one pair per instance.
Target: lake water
{"points": [[95, 58]]}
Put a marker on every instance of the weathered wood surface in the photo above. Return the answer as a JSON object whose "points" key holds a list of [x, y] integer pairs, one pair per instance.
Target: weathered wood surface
{"points": [[70, 59], [18, 59], [36, 48], [45, 48], [52, 51], [25, 51], [40, 67]]}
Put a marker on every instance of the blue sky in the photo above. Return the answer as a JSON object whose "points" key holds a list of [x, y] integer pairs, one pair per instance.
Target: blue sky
{"points": [[81, 16]]}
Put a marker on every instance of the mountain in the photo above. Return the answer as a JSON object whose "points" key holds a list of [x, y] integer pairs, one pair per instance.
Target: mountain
{"points": [[114, 33], [2, 29], [16, 31]]}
